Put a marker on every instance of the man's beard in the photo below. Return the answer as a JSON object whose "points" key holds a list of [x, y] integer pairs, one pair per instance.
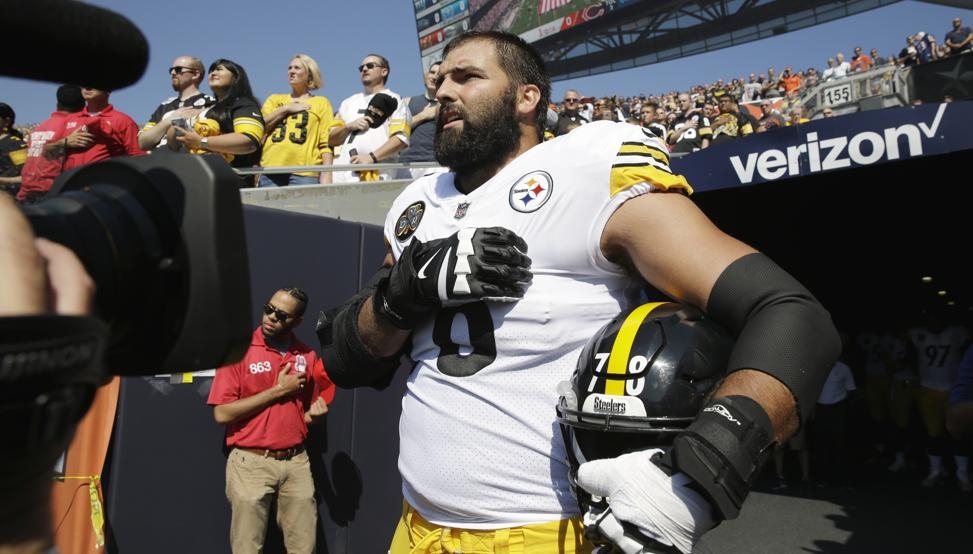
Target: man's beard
{"points": [[486, 140]]}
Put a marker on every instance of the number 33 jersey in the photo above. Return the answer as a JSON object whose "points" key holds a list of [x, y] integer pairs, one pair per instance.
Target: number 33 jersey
{"points": [[478, 441]]}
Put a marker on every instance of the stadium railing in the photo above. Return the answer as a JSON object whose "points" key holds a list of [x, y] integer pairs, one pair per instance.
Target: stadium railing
{"points": [[361, 202]]}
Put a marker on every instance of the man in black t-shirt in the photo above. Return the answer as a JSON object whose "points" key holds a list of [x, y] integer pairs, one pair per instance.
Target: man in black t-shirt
{"points": [[186, 74]]}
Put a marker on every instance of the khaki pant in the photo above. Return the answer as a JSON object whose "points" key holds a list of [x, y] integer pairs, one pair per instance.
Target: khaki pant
{"points": [[252, 483], [415, 535]]}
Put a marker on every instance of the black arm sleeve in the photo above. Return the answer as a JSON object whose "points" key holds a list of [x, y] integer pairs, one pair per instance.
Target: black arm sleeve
{"points": [[344, 355], [781, 328]]}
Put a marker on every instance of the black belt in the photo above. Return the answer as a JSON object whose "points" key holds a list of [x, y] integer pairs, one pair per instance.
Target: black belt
{"points": [[285, 454]]}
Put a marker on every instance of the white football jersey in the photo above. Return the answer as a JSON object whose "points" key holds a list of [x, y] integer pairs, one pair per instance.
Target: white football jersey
{"points": [[939, 354], [352, 108], [480, 445]]}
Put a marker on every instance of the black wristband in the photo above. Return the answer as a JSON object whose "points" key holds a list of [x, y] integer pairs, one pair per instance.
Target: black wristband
{"points": [[723, 450], [374, 159], [382, 308]]}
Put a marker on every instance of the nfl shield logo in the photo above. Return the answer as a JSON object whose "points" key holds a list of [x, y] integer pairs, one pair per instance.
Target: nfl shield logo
{"points": [[461, 210]]}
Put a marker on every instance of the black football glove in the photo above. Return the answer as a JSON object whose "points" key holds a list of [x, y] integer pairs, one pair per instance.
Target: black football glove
{"points": [[472, 264]]}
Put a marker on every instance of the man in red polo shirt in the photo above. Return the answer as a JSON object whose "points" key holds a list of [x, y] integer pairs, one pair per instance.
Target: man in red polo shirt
{"points": [[266, 400], [99, 131], [47, 145]]}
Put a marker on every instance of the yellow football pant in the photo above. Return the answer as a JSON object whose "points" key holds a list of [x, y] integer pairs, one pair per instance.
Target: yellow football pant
{"points": [[415, 535]]}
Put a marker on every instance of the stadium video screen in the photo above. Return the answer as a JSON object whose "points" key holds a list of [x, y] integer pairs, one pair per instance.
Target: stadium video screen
{"points": [[437, 21]]}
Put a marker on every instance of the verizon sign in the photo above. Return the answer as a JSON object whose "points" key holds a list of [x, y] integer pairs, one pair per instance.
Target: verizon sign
{"points": [[854, 140]]}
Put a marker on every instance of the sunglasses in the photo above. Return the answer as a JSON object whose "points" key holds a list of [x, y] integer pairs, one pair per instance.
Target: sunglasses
{"points": [[570, 100], [179, 69], [369, 65], [282, 316]]}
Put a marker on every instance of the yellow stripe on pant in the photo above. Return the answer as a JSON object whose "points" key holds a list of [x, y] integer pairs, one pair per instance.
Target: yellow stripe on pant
{"points": [[415, 535]]}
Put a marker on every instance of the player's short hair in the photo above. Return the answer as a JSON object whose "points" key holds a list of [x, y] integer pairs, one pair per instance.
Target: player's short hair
{"points": [[519, 61]]}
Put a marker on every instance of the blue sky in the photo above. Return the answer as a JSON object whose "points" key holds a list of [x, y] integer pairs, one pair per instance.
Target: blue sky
{"points": [[263, 36]]}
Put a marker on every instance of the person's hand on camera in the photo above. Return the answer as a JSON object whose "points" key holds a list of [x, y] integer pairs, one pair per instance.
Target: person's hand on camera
{"points": [[471, 264], [665, 510], [40, 276]]}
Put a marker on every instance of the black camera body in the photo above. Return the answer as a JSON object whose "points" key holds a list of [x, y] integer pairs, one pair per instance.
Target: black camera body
{"points": [[162, 236]]}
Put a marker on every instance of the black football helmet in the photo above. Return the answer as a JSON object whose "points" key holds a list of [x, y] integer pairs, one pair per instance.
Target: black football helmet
{"points": [[641, 380]]}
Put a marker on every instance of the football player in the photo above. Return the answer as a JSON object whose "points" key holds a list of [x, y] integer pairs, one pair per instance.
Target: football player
{"points": [[498, 273]]}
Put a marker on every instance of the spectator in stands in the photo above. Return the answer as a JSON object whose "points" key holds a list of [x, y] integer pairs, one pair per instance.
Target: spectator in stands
{"points": [[796, 115], [771, 84], [752, 89], [13, 151], [828, 73], [959, 39], [570, 113], [934, 47], [352, 132], [811, 78], [47, 147], [860, 62], [771, 118], [789, 82], [732, 122], [876, 59], [422, 109], [296, 127], [690, 130], [924, 48], [651, 119], [603, 110], [102, 131], [841, 67], [827, 112], [232, 127], [186, 74], [909, 55]]}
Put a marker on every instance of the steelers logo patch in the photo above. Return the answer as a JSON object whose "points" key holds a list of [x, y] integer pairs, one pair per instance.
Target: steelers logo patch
{"points": [[408, 222], [531, 191]]}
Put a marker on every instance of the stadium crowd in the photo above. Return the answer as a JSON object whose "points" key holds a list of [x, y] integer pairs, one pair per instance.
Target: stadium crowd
{"points": [[236, 125]]}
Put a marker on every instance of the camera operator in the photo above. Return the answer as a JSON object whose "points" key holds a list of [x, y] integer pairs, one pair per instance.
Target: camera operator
{"points": [[41, 278]]}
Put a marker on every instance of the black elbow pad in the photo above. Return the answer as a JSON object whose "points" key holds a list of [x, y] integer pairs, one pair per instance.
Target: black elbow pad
{"points": [[781, 328], [343, 353]]}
